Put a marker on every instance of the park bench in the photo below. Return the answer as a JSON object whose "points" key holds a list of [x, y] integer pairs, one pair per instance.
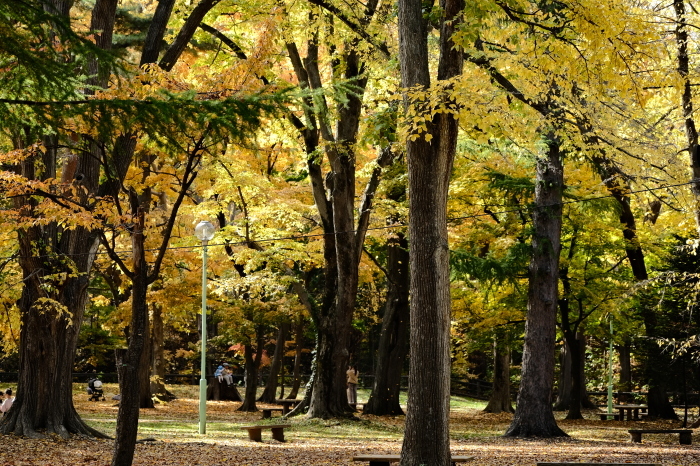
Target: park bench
{"points": [[386, 460], [255, 432], [686, 437], [598, 464], [606, 416], [267, 412]]}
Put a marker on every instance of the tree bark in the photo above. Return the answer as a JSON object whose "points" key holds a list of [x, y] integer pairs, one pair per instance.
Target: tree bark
{"points": [[268, 395], [128, 415], [533, 415], [393, 342], [499, 401], [427, 439]]}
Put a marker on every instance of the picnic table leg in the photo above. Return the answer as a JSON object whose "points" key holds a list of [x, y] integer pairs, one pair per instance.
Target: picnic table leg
{"points": [[636, 437], [379, 463], [278, 433], [255, 435], [267, 413], [686, 438]]}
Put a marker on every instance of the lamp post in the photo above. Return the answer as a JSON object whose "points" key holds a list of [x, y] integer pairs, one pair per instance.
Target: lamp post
{"points": [[205, 232]]}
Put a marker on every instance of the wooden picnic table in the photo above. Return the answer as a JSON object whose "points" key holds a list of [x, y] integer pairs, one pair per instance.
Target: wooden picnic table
{"points": [[632, 411], [287, 405]]}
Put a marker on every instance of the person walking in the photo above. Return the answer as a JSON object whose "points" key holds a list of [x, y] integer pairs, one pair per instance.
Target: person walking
{"points": [[352, 377]]}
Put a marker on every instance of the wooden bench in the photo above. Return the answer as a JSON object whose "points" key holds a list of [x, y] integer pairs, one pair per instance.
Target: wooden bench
{"points": [[606, 416], [686, 437], [255, 432], [598, 464], [267, 412], [386, 460]]}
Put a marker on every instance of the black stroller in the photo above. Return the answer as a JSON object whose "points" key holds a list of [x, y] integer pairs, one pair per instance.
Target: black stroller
{"points": [[95, 390]]}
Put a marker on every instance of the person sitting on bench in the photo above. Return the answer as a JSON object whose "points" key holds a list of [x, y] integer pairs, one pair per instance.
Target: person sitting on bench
{"points": [[224, 373]]}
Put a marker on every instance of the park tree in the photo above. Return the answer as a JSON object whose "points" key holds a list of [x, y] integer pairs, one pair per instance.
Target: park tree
{"points": [[331, 156], [431, 140], [61, 205]]}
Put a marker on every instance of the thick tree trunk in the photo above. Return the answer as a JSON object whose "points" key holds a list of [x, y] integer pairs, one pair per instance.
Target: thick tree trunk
{"points": [[268, 395], [499, 401], [128, 416], [221, 391], [533, 414], [427, 439], [393, 342]]}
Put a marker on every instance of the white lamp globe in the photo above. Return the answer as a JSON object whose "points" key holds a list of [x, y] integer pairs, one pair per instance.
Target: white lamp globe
{"points": [[204, 230]]}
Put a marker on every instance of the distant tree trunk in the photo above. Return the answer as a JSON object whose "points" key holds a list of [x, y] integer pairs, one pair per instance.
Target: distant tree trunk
{"points": [[430, 158], [157, 357], [268, 395], [298, 350], [393, 342], [499, 401], [252, 368], [625, 385], [563, 400], [576, 373], [533, 415]]}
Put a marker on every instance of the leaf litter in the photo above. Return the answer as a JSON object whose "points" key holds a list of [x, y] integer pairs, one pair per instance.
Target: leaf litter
{"points": [[169, 436]]}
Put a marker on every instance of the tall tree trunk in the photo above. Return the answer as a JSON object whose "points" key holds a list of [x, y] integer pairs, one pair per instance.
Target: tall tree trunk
{"points": [[499, 401], [393, 342], [427, 439], [128, 415], [268, 395], [533, 415]]}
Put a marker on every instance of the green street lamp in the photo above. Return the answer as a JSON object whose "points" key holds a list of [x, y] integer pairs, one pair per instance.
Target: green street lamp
{"points": [[204, 231]]}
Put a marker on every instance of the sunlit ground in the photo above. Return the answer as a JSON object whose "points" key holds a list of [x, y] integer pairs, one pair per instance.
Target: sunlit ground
{"points": [[171, 435]]}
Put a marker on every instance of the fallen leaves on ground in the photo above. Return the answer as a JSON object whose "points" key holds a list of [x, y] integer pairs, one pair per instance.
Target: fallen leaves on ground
{"points": [[174, 430]]}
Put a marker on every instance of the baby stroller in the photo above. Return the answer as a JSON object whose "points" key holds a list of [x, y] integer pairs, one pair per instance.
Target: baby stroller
{"points": [[95, 390]]}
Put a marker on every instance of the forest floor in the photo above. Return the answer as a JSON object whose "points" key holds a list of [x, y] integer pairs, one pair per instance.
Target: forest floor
{"points": [[172, 438]]}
